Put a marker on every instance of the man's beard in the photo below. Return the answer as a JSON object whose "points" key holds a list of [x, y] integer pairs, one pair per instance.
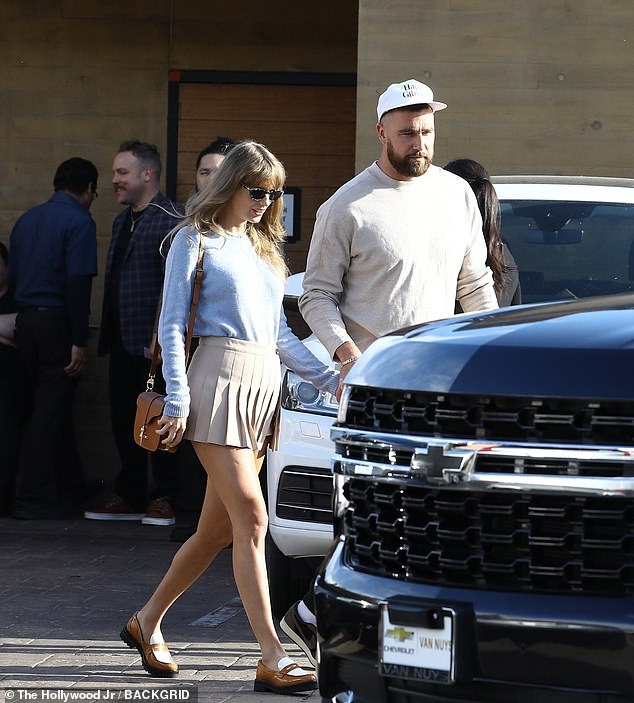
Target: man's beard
{"points": [[407, 166]]}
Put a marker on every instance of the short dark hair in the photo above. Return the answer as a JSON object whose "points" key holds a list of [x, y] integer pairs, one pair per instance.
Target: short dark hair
{"points": [[146, 153], [220, 146], [4, 253], [75, 176]]}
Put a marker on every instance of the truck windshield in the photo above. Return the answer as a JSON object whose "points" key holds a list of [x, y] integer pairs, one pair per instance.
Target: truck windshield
{"points": [[570, 249]]}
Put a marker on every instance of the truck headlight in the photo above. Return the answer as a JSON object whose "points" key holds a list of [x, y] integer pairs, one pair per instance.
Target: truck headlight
{"points": [[301, 395]]}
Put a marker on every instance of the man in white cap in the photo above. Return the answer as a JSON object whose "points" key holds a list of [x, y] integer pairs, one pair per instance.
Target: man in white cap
{"points": [[399, 243], [395, 246]]}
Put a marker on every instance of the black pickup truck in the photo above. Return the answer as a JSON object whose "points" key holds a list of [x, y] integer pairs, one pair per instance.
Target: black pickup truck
{"points": [[484, 473]]}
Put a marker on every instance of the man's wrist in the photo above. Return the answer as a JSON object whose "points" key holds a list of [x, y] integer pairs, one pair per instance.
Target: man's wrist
{"points": [[350, 360]]}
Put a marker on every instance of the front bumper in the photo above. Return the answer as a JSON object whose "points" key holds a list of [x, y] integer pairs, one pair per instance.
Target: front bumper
{"points": [[299, 485], [508, 646]]}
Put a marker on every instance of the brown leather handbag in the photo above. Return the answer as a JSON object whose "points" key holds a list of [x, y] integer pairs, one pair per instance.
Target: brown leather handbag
{"points": [[149, 408], [149, 404]]}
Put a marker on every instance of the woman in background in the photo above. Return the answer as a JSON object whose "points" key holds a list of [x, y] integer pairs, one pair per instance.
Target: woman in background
{"points": [[499, 258]]}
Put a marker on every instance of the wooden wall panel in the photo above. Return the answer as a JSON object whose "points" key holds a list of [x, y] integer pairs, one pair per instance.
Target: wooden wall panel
{"points": [[311, 129], [544, 86]]}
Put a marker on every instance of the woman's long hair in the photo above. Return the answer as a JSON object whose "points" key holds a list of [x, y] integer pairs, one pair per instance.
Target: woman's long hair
{"points": [[478, 178], [250, 164]]}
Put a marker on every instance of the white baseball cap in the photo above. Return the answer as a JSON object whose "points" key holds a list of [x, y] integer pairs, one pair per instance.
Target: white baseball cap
{"points": [[411, 92]]}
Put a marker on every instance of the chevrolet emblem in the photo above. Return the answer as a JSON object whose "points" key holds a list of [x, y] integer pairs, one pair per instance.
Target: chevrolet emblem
{"points": [[443, 462], [400, 634]]}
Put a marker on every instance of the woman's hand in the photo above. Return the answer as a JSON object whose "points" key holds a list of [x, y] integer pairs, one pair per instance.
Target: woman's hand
{"points": [[172, 430]]}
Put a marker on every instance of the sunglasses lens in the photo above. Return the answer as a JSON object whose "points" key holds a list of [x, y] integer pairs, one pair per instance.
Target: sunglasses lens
{"points": [[259, 193]]}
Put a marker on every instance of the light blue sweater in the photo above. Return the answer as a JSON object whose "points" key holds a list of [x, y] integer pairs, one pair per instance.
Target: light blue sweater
{"points": [[240, 297]]}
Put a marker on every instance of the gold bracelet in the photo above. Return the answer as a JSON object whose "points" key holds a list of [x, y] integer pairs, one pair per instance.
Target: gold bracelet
{"points": [[351, 360]]}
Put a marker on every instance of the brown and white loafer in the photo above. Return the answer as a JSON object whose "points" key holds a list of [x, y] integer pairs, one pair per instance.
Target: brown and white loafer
{"points": [[289, 678], [155, 655]]}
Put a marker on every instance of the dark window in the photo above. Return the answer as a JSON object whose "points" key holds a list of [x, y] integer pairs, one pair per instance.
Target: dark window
{"points": [[570, 249]]}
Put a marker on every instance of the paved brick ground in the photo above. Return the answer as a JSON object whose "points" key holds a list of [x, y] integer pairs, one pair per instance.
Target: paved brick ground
{"points": [[68, 587]]}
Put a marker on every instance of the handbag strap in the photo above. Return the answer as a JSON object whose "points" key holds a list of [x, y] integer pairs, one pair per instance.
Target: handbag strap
{"points": [[156, 352]]}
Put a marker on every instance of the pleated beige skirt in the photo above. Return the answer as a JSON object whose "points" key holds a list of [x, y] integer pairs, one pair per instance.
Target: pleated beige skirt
{"points": [[235, 388]]}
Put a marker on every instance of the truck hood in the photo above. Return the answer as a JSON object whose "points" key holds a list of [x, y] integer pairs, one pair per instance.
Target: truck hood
{"points": [[573, 349]]}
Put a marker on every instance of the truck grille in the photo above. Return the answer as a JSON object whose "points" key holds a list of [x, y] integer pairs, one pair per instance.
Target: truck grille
{"points": [[550, 460], [504, 418], [501, 540]]}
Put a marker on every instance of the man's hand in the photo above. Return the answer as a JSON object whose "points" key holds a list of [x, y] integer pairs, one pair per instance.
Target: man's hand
{"points": [[347, 353], [7, 327], [78, 360], [342, 374]]}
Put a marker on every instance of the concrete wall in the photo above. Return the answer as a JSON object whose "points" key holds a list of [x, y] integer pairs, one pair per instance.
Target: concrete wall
{"points": [[80, 76], [537, 86]]}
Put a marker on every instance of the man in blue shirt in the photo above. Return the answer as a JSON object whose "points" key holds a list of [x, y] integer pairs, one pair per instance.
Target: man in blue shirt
{"points": [[53, 259]]}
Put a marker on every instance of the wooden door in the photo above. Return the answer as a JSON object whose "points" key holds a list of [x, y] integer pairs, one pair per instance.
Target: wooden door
{"points": [[310, 128]]}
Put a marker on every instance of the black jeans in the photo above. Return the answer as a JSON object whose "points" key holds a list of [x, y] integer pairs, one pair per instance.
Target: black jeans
{"points": [[127, 378], [50, 468]]}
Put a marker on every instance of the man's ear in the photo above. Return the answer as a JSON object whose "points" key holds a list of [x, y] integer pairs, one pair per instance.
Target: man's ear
{"points": [[88, 196], [380, 131]]}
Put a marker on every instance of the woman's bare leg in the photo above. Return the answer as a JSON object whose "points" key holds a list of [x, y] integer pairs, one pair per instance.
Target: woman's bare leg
{"points": [[235, 473], [190, 561]]}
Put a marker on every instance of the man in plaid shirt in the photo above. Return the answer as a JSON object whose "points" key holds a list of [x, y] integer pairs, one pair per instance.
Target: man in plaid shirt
{"points": [[133, 281]]}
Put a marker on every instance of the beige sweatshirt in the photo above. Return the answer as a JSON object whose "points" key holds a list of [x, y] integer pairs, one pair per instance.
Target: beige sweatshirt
{"points": [[386, 254]]}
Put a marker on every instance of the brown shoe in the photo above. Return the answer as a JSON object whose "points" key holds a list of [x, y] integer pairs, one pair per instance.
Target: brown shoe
{"points": [[113, 508], [159, 512], [133, 637], [284, 681]]}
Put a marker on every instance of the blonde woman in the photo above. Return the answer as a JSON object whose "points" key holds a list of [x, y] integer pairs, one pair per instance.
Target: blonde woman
{"points": [[226, 401]]}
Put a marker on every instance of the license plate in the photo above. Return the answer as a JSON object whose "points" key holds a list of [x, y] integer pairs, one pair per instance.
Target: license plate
{"points": [[414, 652]]}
